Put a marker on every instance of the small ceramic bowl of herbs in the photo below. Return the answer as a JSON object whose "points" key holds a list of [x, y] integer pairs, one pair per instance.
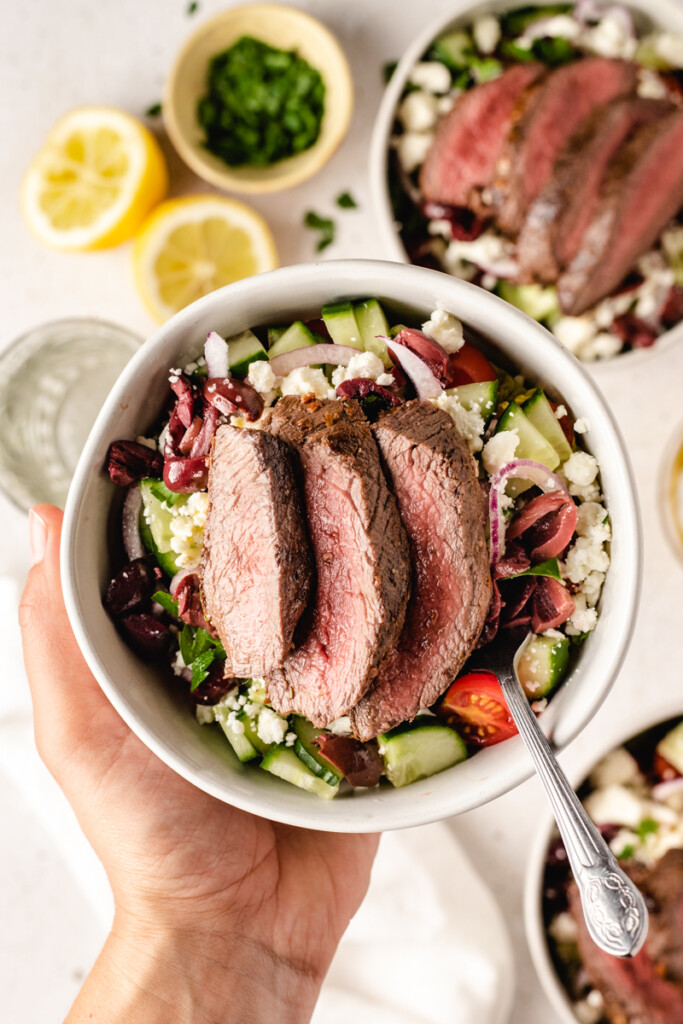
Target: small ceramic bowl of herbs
{"points": [[259, 98]]}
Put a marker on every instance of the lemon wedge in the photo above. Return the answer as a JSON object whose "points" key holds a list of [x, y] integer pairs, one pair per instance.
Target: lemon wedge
{"points": [[188, 247], [94, 181]]}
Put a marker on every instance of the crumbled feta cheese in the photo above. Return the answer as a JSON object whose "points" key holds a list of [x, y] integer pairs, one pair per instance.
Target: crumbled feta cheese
{"points": [[563, 928], [650, 85], [365, 364], [585, 1013], [261, 376], [587, 559], [618, 768], [205, 714], [602, 346], [610, 38], [669, 46], [583, 619], [161, 444], [188, 520], [418, 111], [307, 380], [431, 75], [499, 450], [491, 251], [583, 558], [444, 104], [178, 664], [340, 726], [290, 739], [470, 422], [486, 32], [561, 26], [591, 588], [590, 521], [386, 380], [412, 148], [446, 329], [652, 293], [614, 805], [561, 412], [581, 468], [574, 331], [582, 426], [272, 728]]}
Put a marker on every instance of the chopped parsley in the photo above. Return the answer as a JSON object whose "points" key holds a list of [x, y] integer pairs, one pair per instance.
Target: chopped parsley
{"points": [[166, 602], [647, 827], [550, 568], [324, 225], [346, 201], [192, 8], [388, 70], [154, 110], [627, 852]]}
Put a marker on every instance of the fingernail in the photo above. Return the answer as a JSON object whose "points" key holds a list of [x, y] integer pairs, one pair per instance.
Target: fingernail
{"points": [[37, 536]]}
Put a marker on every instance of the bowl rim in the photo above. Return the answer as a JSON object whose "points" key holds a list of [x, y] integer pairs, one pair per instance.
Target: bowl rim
{"points": [[318, 153], [665, 12], [534, 928], [351, 277]]}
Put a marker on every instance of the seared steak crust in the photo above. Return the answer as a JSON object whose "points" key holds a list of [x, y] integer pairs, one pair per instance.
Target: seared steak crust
{"points": [[362, 562], [434, 478], [256, 565]]}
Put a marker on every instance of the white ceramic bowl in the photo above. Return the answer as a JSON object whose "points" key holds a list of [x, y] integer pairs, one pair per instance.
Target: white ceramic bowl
{"points": [[533, 888], [649, 14], [137, 691]]}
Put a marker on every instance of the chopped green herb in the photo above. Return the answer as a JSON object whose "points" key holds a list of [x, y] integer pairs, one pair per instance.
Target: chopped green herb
{"points": [[647, 827], [154, 110], [485, 70], [514, 52], [550, 568], [161, 491], [553, 51], [454, 49], [194, 642], [324, 225], [627, 852], [186, 644], [166, 602], [193, 7], [346, 201], [200, 668], [388, 70], [514, 22], [579, 641], [262, 105], [605, 520]]}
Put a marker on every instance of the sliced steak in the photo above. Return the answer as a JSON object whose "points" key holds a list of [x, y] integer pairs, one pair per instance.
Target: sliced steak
{"points": [[641, 990], [553, 112], [363, 571], [468, 142], [256, 565], [557, 220], [641, 192], [440, 501], [294, 419]]}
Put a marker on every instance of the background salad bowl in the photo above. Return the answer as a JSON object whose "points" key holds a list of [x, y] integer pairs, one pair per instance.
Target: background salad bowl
{"points": [[391, 178], [137, 688]]}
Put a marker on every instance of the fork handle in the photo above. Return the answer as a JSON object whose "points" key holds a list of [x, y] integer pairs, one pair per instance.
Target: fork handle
{"points": [[614, 909]]}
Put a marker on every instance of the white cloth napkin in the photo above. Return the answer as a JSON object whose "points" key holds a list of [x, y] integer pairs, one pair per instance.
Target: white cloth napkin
{"points": [[428, 946]]}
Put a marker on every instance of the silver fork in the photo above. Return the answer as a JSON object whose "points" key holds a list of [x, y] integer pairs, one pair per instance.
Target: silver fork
{"points": [[614, 909]]}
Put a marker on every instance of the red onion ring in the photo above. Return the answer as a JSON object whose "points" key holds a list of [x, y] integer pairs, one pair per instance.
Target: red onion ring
{"points": [[665, 789], [178, 579], [130, 523], [523, 469], [216, 355], [424, 381], [311, 355]]}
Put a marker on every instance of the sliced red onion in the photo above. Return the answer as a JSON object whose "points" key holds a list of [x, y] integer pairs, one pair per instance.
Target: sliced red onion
{"points": [[177, 580], [311, 355], [587, 10], [426, 384], [130, 523], [622, 15], [216, 355], [522, 469], [663, 790]]}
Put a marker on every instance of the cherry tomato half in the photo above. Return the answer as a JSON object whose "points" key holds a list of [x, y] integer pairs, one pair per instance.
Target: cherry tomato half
{"points": [[469, 366], [475, 706]]}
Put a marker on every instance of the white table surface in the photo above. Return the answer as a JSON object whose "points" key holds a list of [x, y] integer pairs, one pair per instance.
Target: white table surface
{"points": [[54, 56]]}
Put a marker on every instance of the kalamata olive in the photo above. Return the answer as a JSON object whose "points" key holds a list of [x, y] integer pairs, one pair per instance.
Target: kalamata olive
{"points": [[361, 387], [190, 608], [464, 224], [146, 635], [132, 587], [214, 687], [186, 475], [232, 397], [202, 443], [429, 351], [634, 331], [130, 461], [181, 386], [190, 436], [672, 311]]}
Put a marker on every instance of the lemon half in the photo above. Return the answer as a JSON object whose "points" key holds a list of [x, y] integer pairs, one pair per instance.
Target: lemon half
{"points": [[188, 247], [94, 181]]}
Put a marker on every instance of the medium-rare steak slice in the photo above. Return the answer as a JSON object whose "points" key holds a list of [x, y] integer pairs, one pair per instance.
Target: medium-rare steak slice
{"points": [[440, 501], [641, 989], [462, 159], [557, 220], [363, 574], [294, 419], [553, 113], [641, 192], [256, 565]]}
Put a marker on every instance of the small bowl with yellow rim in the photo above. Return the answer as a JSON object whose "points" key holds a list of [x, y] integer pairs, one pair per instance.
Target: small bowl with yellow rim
{"points": [[283, 29]]}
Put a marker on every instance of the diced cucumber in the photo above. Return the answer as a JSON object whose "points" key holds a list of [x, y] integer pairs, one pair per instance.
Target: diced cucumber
{"points": [[155, 526], [534, 300], [538, 411], [454, 49], [671, 747], [274, 334], [296, 336], [236, 735], [542, 665], [340, 320], [251, 732], [283, 762], [373, 324], [532, 445], [396, 330], [306, 751], [243, 349], [257, 691], [484, 395], [419, 750]]}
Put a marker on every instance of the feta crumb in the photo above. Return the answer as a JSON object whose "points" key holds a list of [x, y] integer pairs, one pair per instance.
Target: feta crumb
{"points": [[431, 75], [340, 726], [161, 444], [614, 805], [418, 111], [290, 739], [272, 728], [582, 426], [205, 714], [444, 104], [610, 38], [561, 412], [499, 450], [550, 28], [581, 468], [178, 664], [470, 422], [554, 634], [307, 380], [591, 588], [617, 768], [412, 148], [486, 32], [563, 928], [187, 523], [583, 619], [602, 346], [365, 364], [584, 557], [650, 85], [386, 380], [491, 252], [261, 376], [585, 1013], [446, 329], [669, 46]]}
